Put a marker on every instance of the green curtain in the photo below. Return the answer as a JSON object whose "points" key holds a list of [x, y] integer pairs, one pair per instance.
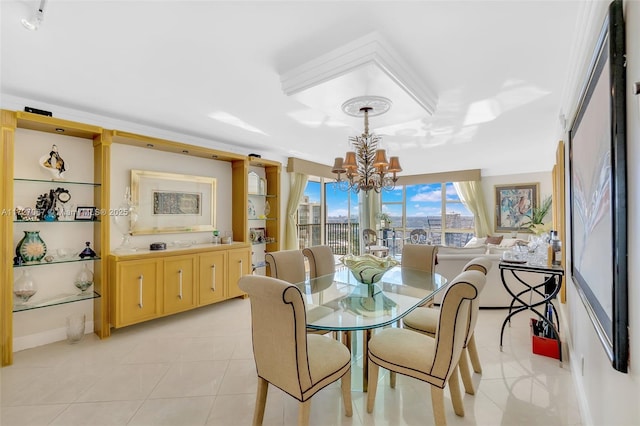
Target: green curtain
{"points": [[298, 183], [472, 196]]}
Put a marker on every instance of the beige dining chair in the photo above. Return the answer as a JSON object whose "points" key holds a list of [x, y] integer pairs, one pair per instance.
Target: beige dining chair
{"points": [[425, 320], [419, 256], [429, 359], [288, 265], [298, 363], [321, 260]]}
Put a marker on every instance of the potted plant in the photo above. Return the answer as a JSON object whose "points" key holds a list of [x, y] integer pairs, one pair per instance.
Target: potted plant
{"points": [[536, 218], [385, 220]]}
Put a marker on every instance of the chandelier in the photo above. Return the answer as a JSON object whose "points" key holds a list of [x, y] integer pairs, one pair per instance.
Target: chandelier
{"points": [[366, 167]]}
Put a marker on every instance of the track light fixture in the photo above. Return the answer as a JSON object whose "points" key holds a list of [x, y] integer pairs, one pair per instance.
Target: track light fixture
{"points": [[34, 23]]}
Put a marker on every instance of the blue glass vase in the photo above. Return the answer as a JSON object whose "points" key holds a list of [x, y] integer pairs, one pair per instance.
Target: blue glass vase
{"points": [[31, 248]]}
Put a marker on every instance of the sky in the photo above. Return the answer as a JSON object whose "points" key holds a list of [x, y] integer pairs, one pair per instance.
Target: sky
{"points": [[422, 200]]}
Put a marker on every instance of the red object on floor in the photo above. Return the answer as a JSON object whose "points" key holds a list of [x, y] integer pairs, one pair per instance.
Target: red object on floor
{"points": [[544, 345]]}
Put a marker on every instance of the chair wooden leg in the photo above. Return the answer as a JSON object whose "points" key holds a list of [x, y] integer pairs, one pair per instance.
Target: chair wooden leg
{"points": [[456, 396], [373, 379], [392, 379], [437, 401], [304, 410], [465, 373], [345, 384], [261, 401], [473, 355]]}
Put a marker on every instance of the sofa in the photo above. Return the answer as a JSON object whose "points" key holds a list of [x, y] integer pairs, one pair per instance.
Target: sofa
{"points": [[451, 260]]}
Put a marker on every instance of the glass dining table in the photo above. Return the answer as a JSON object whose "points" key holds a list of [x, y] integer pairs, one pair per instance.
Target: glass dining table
{"points": [[340, 303]]}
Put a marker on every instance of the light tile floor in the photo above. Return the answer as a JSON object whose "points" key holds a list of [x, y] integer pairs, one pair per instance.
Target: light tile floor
{"points": [[197, 368]]}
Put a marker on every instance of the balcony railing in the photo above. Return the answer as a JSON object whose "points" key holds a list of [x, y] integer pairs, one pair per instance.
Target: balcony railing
{"points": [[343, 238]]}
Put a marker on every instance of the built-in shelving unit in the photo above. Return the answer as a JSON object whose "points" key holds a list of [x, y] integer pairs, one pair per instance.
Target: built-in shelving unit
{"points": [[210, 265], [86, 180]]}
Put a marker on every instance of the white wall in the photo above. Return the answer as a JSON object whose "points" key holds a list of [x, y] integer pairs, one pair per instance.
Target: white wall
{"points": [[607, 396], [124, 158]]}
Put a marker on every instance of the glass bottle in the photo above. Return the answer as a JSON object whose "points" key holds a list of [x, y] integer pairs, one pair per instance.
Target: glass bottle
{"points": [[556, 249], [25, 287]]}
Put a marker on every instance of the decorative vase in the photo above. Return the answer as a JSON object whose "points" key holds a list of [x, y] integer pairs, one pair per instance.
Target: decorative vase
{"points": [[25, 286], [31, 248], [84, 279]]}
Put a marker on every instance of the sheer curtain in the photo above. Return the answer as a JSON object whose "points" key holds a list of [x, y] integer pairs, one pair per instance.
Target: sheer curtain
{"points": [[298, 184], [472, 196]]}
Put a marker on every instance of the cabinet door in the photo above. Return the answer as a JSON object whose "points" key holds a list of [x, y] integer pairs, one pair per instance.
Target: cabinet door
{"points": [[179, 284], [211, 274], [239, 265], [137, 291]]}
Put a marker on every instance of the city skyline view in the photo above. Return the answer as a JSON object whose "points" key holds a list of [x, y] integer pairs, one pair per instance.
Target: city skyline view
{"points": [[422, 200]]}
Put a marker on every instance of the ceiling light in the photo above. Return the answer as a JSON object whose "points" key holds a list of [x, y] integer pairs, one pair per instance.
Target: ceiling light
{"points": [[367, 167], [34, 23]]}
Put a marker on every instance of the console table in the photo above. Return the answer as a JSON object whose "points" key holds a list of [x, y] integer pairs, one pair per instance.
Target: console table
{"points": [[532, 294]]}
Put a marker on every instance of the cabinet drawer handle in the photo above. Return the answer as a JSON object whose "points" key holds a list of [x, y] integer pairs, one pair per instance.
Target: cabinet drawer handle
{"points": [[240, 266], [140, 279], [213, 277], [180, 294]]}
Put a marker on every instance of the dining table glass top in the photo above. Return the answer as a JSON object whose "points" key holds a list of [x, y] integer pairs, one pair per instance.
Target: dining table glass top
{"points": [[339, 302]]}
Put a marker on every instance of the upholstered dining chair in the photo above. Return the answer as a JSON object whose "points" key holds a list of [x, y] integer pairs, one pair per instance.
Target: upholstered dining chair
{"points": [[298, 363], [425, 320], [419, 256], [430, 359], [321, 260], [288, 265]]}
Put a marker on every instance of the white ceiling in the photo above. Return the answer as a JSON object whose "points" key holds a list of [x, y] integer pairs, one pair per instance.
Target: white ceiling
{"points": [[497, 69]]}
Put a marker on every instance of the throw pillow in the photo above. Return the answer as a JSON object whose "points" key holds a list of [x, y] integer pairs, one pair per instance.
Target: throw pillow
{"points": [[494, 240]]}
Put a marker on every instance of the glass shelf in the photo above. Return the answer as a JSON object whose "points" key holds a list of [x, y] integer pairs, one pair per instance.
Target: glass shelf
{"points": [[57, 182], [56, 221], [56, 261], [59, 299]]}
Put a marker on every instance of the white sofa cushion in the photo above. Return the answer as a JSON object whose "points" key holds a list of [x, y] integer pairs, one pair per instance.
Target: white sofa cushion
{"points": [[482, 249]]}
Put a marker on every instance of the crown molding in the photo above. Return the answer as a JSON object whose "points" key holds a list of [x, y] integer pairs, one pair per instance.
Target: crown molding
{"points": [[368, 50]]}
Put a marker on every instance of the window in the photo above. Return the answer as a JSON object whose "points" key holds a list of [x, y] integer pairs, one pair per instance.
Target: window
{"points": [[434, 207], [328, 215]]}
